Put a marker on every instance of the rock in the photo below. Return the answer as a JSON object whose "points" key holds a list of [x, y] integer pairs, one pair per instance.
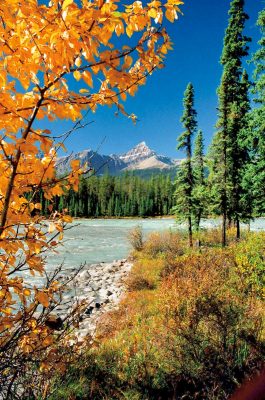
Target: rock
{"points": [[101, 287], [89, 310], [83, 275], [94, 286], [102, 293]]}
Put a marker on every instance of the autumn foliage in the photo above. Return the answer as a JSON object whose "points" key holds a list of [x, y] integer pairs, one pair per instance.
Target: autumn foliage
{"points": [[191, 325], [57, 61]]}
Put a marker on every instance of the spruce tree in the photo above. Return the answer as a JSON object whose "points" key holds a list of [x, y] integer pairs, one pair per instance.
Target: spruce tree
{"points": [[218, 158], [230, 156], [184, 181], [257, 124], [246, 196], [199, 189]]}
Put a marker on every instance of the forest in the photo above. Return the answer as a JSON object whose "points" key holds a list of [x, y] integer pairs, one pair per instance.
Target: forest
{"points": [[123, 196]]}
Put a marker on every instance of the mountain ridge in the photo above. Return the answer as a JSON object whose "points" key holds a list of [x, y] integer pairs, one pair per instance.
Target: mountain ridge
{"points": [[140, 157]]}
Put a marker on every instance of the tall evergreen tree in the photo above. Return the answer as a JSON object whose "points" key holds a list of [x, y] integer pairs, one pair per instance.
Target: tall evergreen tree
{"points": [[199, 189], [184, 180], [218, 158], [230, 156], [246, 195], [257, 124]]}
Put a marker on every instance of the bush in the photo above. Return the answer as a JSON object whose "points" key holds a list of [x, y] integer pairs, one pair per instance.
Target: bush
{"points": [[145, 274], [165, 243], [136, 238]]}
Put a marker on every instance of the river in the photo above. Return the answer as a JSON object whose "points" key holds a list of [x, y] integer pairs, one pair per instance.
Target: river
{"points": [[105, 240]]}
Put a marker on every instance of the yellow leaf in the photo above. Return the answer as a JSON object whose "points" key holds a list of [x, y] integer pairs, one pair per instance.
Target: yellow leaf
{"points": [[119, 28], [6, 311], [67, 218], [78, 62], [47, 341], [85, 91], [128, 61], [123, 96], [152, 13], [51, 228], [171, 14], [59, 228], [26, 292], [77, 75], [66, 3], [88, 78], [75, 164], [61, 145], [129, 31], [43, 298]]}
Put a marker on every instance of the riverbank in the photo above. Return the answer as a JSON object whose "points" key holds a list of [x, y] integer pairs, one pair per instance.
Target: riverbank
{"points": [[101, 287], [93, 241], [125, 218]]}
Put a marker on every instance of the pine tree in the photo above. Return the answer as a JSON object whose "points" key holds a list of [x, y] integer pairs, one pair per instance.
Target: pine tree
{"points": [[199, 189], [184, 180], [229, 154]]}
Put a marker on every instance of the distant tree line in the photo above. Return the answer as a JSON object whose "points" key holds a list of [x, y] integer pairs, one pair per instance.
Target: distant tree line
{"points": [[118, 196]]}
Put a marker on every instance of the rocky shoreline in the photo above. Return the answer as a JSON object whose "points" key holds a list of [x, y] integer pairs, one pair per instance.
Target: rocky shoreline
{"points": [[101, 287]]}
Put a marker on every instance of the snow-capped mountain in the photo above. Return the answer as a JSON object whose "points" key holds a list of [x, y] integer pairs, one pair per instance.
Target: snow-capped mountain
{"points": [[140, 157], [138, 153]]}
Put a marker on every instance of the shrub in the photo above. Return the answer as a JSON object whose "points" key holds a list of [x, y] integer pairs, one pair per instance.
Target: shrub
{"points": [[164, 243], [136, 238], [145, 274], [250, 263]]}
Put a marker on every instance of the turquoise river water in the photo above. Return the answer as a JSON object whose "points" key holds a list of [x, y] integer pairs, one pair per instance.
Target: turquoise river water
{"points": [[105, 240]]}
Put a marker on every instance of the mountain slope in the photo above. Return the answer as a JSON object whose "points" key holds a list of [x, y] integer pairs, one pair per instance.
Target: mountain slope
{"points": [[140, 157]]}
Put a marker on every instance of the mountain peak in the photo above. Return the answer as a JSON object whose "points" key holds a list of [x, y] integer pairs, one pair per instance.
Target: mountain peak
{"points": [[141, 144], [140, 152]]}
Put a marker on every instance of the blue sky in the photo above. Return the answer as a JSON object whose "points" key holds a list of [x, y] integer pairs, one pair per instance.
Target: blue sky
{"points": [[198, 40]]}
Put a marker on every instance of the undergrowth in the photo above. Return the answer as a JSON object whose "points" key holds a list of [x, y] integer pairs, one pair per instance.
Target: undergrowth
{"points": [[191, 325]]}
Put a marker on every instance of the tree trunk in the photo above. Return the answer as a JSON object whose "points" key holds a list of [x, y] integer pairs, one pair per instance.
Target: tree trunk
{"points": [[190, 232], [224, 230], [237, 228], [198, 221]]}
